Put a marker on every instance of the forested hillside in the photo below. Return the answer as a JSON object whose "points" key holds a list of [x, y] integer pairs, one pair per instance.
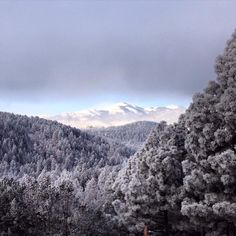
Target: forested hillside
{"points": [[55, 175], [132, 135]]}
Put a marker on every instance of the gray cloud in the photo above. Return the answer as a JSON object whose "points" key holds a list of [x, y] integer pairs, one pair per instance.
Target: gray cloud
{"points": [[81, 49]]}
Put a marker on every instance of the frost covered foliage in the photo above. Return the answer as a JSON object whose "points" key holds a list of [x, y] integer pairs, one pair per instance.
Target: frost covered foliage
{"points": [[132, 135], [210, 166], [188, 170], [152, 181], [62, 175], [40, 208]]}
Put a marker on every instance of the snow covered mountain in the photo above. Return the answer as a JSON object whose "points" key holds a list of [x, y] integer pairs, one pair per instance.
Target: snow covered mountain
{"points": [[117, 114]]}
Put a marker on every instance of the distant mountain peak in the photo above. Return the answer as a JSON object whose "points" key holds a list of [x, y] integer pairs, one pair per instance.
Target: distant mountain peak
{"points": [[118, 114], [124, 107]]}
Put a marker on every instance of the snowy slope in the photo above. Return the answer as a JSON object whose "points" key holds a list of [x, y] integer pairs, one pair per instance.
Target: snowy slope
{"points": [[117, 114]]}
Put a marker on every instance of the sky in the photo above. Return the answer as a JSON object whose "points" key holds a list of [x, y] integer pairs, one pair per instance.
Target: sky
{"points": [[58, 56]]}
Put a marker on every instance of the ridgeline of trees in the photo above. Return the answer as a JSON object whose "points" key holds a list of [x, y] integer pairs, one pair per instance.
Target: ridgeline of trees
{"points": [[56, 180], [132, 135]]}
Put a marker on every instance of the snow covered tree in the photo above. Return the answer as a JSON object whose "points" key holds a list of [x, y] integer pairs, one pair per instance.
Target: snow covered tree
{"points": [[209, 167], [152, 182]]}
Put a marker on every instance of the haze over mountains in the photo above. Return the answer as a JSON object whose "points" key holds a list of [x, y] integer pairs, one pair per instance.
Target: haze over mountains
{"points": [[118, 114]]}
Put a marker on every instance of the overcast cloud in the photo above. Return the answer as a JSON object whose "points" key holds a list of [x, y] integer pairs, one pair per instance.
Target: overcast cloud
{"points": [[79, 49]]}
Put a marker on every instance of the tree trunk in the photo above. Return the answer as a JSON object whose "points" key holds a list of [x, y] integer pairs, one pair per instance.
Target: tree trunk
{"points": [[145, 233]]}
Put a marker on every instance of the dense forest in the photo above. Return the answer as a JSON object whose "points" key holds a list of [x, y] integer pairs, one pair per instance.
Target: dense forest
{"points": [[58, 180], [56, 175], [132, 135]]}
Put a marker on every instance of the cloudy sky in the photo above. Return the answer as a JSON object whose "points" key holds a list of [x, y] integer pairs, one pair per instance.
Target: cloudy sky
{"points": [[60, 56]]}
